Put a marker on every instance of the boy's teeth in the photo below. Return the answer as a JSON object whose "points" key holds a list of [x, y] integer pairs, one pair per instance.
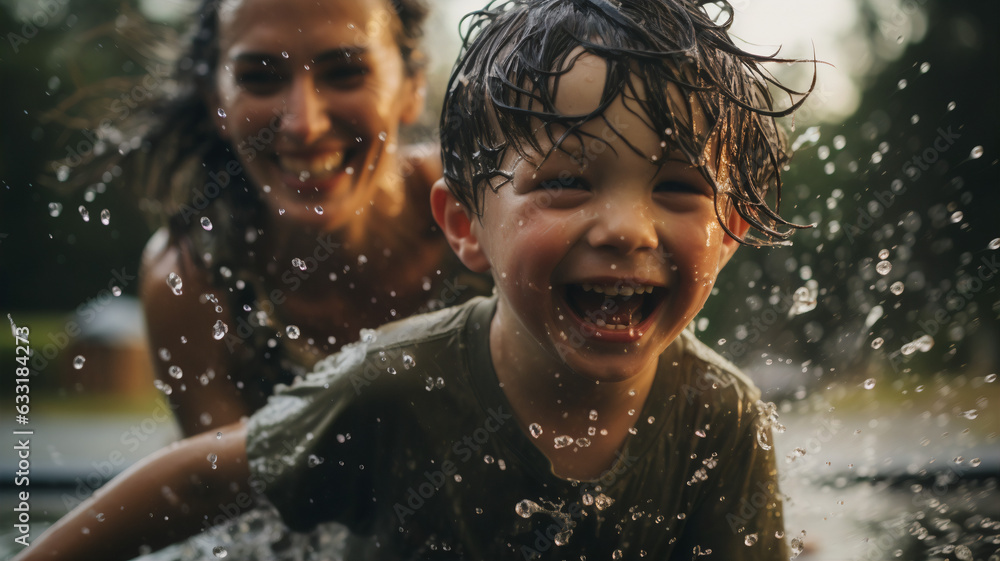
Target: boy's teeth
{"points": [[615, 291]]}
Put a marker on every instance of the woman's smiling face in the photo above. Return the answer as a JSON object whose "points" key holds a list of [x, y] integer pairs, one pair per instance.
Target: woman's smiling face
{"points": [[312, 94]]}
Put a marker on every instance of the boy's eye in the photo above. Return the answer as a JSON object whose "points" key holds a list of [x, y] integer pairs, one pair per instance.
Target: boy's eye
{"points": [[677, 187]]}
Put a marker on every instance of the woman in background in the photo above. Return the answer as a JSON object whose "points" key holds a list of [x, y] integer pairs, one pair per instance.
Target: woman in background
{"points": [[294, 217]]}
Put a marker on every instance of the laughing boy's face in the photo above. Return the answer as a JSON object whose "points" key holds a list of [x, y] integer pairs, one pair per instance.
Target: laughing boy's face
{"points": [[601, 256]]}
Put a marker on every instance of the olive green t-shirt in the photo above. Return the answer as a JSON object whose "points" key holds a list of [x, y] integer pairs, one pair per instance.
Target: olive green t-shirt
{"points": [[408, 439]]}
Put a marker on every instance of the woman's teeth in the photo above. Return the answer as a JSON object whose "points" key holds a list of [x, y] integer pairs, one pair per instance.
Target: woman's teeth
{"points": [[316, 168]]}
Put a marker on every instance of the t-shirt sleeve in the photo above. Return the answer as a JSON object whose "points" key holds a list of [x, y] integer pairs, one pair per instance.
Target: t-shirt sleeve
{"points": [[740, 517], [310, 449]]}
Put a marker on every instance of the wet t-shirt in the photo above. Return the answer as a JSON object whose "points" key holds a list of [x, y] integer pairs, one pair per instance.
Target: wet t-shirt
{"points": [[408, 439]]}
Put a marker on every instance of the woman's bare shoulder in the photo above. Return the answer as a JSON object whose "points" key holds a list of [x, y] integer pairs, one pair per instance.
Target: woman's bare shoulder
{"points": [[163, 257]]}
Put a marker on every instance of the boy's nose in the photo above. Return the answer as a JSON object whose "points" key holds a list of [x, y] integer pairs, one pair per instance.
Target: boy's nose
{"points": [[626, 227], [305, 118]]}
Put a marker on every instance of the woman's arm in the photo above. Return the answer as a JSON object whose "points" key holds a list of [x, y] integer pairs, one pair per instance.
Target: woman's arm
{"points": [[166, 497], [171, 317]]}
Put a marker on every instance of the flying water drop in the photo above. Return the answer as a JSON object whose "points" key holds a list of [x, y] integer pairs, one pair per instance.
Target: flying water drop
{"points": [[535, 429], [105, 217], [78, 362], [55, 209], [219, 330], [206, 223], [883, 267], [292, 331], [84, 213], [175, 283], [869, 383]]}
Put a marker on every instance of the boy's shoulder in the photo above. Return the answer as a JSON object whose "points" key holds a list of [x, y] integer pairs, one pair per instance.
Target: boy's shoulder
{"points": [[708, 370]]}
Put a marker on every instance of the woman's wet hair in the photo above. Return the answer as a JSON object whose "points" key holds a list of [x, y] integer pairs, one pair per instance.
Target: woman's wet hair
{"points": [[515, 51]]}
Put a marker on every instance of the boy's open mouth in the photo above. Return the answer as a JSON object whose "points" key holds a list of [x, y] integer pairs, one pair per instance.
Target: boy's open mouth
{"points": [[613, 306]]}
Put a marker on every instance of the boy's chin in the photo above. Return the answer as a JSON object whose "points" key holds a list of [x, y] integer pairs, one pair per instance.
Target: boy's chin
{"points": [[610, 369]]}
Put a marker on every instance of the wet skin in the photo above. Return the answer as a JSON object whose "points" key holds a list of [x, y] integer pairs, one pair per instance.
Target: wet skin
{"points": [[607, 217]]}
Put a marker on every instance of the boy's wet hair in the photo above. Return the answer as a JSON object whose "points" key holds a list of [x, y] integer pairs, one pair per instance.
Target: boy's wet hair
{"points": [[515, 51]]}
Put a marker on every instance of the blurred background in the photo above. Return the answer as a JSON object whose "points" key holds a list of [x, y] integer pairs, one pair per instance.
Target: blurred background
{"points": [[877, 334]]}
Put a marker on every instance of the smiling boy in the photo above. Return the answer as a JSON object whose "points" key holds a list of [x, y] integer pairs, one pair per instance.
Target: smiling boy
{"points": [[603, 162]]}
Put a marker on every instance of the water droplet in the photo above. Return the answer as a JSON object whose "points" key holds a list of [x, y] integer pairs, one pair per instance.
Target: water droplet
{"points": [[994, 244], [382, 136], [877, 342], [300, 264], [78, 362], [292, 331], [206, 223], [175, 372], [408, 362], [562, 441], [990, 378], [164, 354], [901, 84], [839, 142], [869, 383], [163, 387], [896, 288], [975, 462], [951, 106], [976, 153], [105, 217], [488, 459], [222, 113], [116, 291], [219, 551], [883, 267], [616, 554], [535, 429], [526, 508], [55, 209], [924, 67], [750, 539], [319, 210], [284, 54], [593, 415], [971, 414], [314, 460], [175, 283], [603, 501], [84, 213], [219, 330], [914, 119], [218, 435], [883, 254]]}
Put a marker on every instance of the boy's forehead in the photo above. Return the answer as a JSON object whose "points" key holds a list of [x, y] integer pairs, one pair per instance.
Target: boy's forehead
{"points": [[578, 91]]}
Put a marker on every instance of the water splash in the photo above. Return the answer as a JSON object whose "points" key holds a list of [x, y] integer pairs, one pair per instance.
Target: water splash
{"points": [[219, 330], [175, 283]]}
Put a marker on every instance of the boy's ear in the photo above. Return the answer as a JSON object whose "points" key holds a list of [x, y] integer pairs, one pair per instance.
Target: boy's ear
{"points": [[737, 226], [456, 223]]}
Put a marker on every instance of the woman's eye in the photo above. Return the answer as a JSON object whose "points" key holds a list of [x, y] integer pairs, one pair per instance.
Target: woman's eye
{"points": [[345, 76], [259, 81]]}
